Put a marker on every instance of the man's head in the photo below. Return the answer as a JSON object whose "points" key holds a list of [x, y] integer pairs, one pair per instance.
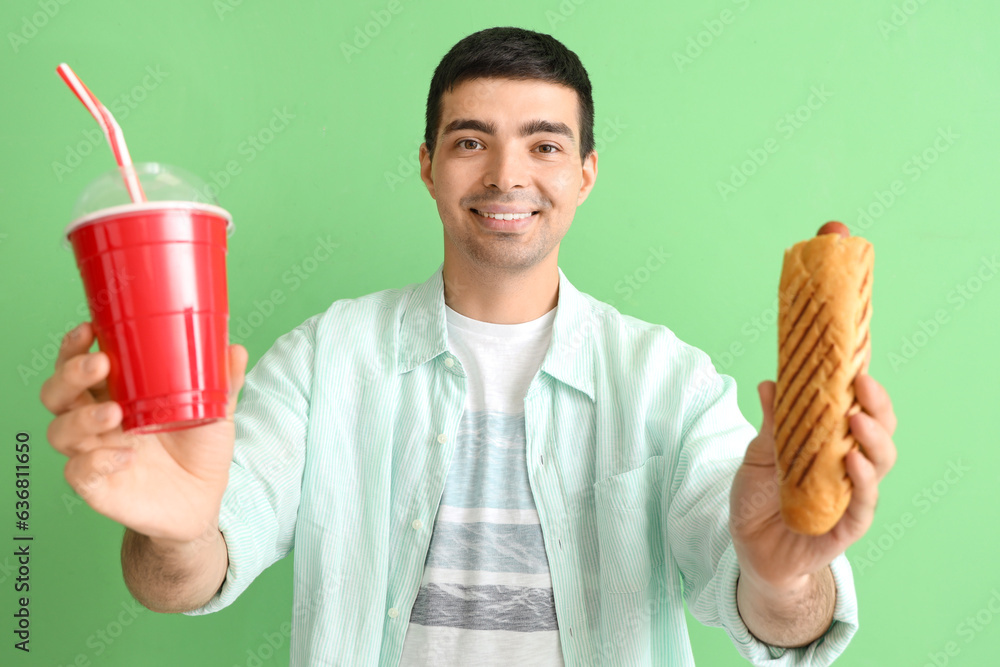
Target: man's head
{"points": [[510, 133], [510, 53]]}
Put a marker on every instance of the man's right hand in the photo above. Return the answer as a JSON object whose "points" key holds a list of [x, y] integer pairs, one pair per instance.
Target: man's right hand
{"points": [[167, 486]]}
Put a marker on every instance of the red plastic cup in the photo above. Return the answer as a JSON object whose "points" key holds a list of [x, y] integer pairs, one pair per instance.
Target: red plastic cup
{"points": [[155, 278]]}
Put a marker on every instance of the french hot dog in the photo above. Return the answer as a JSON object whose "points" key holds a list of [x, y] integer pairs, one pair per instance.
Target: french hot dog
{"points": [[823, 343]]}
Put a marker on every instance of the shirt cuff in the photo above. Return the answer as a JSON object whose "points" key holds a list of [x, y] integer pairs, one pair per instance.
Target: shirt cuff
{"points": [[821, 652], [245, 561]]}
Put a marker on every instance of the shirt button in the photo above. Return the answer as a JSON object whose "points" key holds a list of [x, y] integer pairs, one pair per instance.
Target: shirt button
{"points": [[417, 524], [393, 612], [442, 438], [449, 362]]}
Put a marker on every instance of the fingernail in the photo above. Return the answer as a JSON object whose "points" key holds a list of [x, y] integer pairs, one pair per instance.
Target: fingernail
{"points": [[73, 334], [101, 413], [123, 456], [90, 364]]}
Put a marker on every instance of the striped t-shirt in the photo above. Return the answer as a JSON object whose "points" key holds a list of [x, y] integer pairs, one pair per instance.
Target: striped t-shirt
{"points": [[486, 594]]}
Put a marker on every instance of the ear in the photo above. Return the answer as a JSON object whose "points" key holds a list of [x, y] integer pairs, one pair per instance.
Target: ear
{"points": [[425, 169], [589, 176]]}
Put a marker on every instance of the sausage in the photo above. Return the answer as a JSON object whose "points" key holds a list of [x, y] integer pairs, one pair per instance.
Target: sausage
{"points": [[834, 227]]}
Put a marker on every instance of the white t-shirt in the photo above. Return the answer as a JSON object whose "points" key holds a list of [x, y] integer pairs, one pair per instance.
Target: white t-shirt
{"points": [[486, 596]]}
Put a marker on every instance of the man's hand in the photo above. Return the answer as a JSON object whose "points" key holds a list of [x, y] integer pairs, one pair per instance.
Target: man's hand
{"points": [[167, 486], [778, 566]]}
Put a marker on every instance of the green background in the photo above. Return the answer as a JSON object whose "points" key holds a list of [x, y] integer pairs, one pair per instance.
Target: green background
{"points": [[683, 91]]}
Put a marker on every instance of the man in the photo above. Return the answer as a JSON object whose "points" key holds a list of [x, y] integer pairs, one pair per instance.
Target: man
{"points": [[490, 468]]}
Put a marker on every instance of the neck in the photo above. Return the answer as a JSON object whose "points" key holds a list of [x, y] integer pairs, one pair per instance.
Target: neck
{"points": [[501, 297]]}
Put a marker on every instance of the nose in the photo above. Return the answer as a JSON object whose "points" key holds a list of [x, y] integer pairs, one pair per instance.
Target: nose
{"points": [[505, 170]]}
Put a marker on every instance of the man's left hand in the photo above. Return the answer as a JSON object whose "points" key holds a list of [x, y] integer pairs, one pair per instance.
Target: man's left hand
{"points": [[767, 550]]}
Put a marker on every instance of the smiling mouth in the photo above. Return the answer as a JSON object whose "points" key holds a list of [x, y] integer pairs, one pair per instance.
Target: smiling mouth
{"points": [[504, 216]]}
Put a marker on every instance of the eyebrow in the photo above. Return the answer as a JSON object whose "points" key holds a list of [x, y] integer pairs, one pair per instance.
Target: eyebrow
{"points": [[527, 129]]}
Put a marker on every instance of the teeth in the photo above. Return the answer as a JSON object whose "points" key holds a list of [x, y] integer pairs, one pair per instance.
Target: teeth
{"points": [[504, 216]]}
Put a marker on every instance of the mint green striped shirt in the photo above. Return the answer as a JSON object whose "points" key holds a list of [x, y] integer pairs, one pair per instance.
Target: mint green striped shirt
{"points": [[344, 435]]}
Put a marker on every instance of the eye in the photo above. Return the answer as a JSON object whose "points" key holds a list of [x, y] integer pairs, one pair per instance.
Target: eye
{"points": [[554, 149], [464, 143]]}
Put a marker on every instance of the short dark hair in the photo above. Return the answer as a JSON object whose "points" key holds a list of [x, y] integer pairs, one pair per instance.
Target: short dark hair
{"points": [[511, 53]]}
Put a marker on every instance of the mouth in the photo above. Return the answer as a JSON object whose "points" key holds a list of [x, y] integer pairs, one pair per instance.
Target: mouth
{"points": [[505, 221]]}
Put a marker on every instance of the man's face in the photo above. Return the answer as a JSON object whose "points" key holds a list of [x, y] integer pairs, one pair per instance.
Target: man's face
{"points": [[507, 147]]}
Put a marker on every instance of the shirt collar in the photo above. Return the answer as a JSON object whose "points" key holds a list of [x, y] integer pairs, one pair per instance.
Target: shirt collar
{"points": [[569, 359]]}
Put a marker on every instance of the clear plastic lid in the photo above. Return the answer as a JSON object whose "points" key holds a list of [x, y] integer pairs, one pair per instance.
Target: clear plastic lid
{"points": [[161, 184]]}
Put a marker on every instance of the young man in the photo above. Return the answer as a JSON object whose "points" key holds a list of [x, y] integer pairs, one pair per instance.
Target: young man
{"points": [[491, 467]]}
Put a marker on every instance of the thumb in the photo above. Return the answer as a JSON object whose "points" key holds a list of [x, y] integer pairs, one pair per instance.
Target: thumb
{"points": [[238, 358], [766, 390], [760, 451]]}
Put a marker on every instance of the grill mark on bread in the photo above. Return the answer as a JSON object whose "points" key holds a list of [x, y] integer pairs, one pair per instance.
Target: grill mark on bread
{"points": [[867, 275], [805, 333], [861, 345], [798, 451], [809, 465], [864, 311], [801, 389], [794, 428], [809, 379], [805, 305], [808, 354]]}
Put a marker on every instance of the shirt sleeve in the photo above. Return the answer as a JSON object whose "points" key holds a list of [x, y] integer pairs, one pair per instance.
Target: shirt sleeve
{"points": [[259, 506], [714, 440]]}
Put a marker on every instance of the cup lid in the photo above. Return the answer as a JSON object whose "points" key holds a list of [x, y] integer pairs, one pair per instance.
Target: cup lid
{"points": [[165, 186]]}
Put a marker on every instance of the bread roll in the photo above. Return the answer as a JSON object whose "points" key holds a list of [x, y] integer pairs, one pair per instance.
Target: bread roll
{"points": [[823, 342]]}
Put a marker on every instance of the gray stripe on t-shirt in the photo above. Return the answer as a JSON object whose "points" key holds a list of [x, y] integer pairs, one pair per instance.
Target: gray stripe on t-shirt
{"points": [[511, 608]]}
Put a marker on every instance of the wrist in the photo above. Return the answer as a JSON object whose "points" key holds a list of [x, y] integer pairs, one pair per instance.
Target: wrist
{"points": [[777, 593], [776, 584], [765, 574], [791, 615], [196, 542]]}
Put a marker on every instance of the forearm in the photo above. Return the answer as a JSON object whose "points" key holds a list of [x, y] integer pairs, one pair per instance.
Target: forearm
{"points": [[787, 619], [172, 577]]}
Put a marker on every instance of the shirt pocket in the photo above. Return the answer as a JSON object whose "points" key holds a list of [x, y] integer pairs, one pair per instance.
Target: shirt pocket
{"points": [[630, 537]]}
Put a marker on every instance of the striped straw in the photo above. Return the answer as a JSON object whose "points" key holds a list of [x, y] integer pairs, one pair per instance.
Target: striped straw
{"points": [[110, 128]]}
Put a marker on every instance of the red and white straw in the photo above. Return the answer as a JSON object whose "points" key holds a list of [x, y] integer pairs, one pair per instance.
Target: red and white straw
{"points": [[111, 130]]}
